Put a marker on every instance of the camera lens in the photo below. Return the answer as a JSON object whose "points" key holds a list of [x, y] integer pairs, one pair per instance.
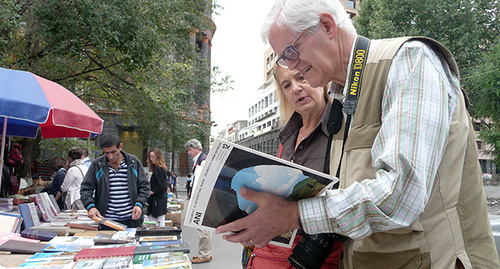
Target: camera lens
{"points": [[312, 250]]}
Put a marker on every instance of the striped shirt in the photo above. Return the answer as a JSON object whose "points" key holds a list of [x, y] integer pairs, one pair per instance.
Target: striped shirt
{"points": [[119, 202], [417, 106]]}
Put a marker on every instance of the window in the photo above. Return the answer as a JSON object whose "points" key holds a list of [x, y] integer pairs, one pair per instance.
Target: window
{"points": [[479, 144], [350, 4]]}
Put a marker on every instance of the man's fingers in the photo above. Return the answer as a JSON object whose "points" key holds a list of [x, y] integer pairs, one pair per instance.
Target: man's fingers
{"points": [[230, 227]]}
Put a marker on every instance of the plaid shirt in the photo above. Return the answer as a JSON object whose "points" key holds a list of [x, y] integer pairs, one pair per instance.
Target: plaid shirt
{"points": [[417, 106]]}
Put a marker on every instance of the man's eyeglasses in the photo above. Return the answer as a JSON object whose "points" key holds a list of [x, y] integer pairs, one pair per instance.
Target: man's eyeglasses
{"points": [[290, 53]]}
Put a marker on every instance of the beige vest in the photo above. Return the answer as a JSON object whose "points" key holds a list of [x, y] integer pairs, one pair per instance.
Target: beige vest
{"points": [[455, 224]]}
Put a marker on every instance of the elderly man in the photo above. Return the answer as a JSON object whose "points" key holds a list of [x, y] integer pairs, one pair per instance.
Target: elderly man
{"points": [[411, 194], [194, 150]]}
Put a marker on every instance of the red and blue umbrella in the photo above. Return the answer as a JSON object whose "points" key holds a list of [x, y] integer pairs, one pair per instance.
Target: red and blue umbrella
{"points": [[29, 102]]}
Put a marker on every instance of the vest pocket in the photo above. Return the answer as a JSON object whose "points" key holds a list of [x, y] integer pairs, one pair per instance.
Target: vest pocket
{"points": [[408, 259]]}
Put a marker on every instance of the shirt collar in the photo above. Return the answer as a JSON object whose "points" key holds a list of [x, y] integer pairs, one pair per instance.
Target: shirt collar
{"points": [[196, 157]]}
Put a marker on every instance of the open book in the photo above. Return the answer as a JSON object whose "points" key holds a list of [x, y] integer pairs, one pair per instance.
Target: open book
{"points": [[216, 200]]}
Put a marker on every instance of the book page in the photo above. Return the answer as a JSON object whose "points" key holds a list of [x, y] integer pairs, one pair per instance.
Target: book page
{"points": [[228, 167]]}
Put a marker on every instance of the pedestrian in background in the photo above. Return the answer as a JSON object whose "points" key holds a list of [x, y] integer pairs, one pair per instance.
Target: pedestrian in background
{"points": [[194, 150], [157, 201], [116, 186], [57, 165], [75, 173]]}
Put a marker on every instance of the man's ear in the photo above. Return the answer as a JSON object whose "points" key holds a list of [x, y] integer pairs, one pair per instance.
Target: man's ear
{"points": [[328, 24]]}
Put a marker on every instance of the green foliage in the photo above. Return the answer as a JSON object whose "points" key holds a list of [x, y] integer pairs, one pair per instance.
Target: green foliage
{"points": [[485, 95], [467, 28], [59, 147], [130, 56]]}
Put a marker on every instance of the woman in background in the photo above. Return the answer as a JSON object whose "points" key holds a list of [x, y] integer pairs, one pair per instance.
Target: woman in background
{"points": [[157, 201], [57, 165], [73, 179]]}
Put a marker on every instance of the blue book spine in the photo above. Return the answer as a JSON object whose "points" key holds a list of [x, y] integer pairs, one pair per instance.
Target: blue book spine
{"points": [[25, 213]]}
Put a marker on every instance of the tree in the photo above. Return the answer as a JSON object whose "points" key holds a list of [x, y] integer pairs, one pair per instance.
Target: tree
{"points": [[486, 97], [467, 28], [132, 56]]}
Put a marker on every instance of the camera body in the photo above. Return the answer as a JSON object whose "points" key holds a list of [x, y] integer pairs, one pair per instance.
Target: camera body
{"points": [[313, 249]]}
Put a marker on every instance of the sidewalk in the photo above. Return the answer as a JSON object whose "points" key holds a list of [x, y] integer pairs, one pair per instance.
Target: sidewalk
{"points": [[226, 255]]}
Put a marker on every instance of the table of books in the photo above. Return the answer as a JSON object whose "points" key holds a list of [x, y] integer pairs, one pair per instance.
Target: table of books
{"points": [[34, 238]]}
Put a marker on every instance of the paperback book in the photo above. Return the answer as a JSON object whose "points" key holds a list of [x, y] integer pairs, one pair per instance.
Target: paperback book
{"points": [[30, 217], [99, 253], [182, 247], [82, 242], [46, 256], [38, 234], [167, 256], [144, 231], [158, 238], [216, 199]]}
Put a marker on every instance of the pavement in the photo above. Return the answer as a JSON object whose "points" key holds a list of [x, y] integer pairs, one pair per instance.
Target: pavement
{"points": [[225, 254]]}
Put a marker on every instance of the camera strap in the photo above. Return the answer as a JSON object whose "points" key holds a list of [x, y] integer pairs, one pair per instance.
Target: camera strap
{"points": [[358, 62]]}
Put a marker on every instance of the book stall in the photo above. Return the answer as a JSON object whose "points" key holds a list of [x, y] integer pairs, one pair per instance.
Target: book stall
{"points": [[35, 233]]}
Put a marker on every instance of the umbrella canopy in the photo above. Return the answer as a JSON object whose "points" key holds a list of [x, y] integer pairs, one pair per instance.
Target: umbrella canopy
{"points": [[29, 102]]}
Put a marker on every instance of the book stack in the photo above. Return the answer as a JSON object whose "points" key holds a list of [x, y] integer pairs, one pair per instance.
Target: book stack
{"points": [[6, 204]]}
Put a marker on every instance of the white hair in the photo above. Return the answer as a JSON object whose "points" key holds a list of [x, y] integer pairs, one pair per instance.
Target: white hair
{"points": [[299, 15], [193, 143]]}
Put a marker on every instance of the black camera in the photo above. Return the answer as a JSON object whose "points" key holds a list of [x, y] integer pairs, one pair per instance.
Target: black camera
{"points": [[312, 250]]}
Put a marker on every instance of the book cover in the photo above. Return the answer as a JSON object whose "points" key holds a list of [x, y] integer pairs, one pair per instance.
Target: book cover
{"points": [[15, 236], [60, 248], [48, 205], [174, 256], [30, 217], [98, 253], [27, 218], [144, 231], [59, 230], [158, 238], [216, 200], [9, 223], [105, 239], [89, 264], [80, 226], [38, 234], [39, 203], [54, 203], [182, 247], [48, 264], [83, 242], [158, 264], [159, 243], [118, 262], [44, 256], [21, 247]]}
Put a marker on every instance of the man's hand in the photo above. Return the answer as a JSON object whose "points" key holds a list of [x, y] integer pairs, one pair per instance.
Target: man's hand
{"points": [[93, 212], [136, 212], [274, 216]]}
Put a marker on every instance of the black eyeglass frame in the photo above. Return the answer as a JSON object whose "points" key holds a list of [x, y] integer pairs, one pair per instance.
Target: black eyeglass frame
{"points": [[290, 52]]}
